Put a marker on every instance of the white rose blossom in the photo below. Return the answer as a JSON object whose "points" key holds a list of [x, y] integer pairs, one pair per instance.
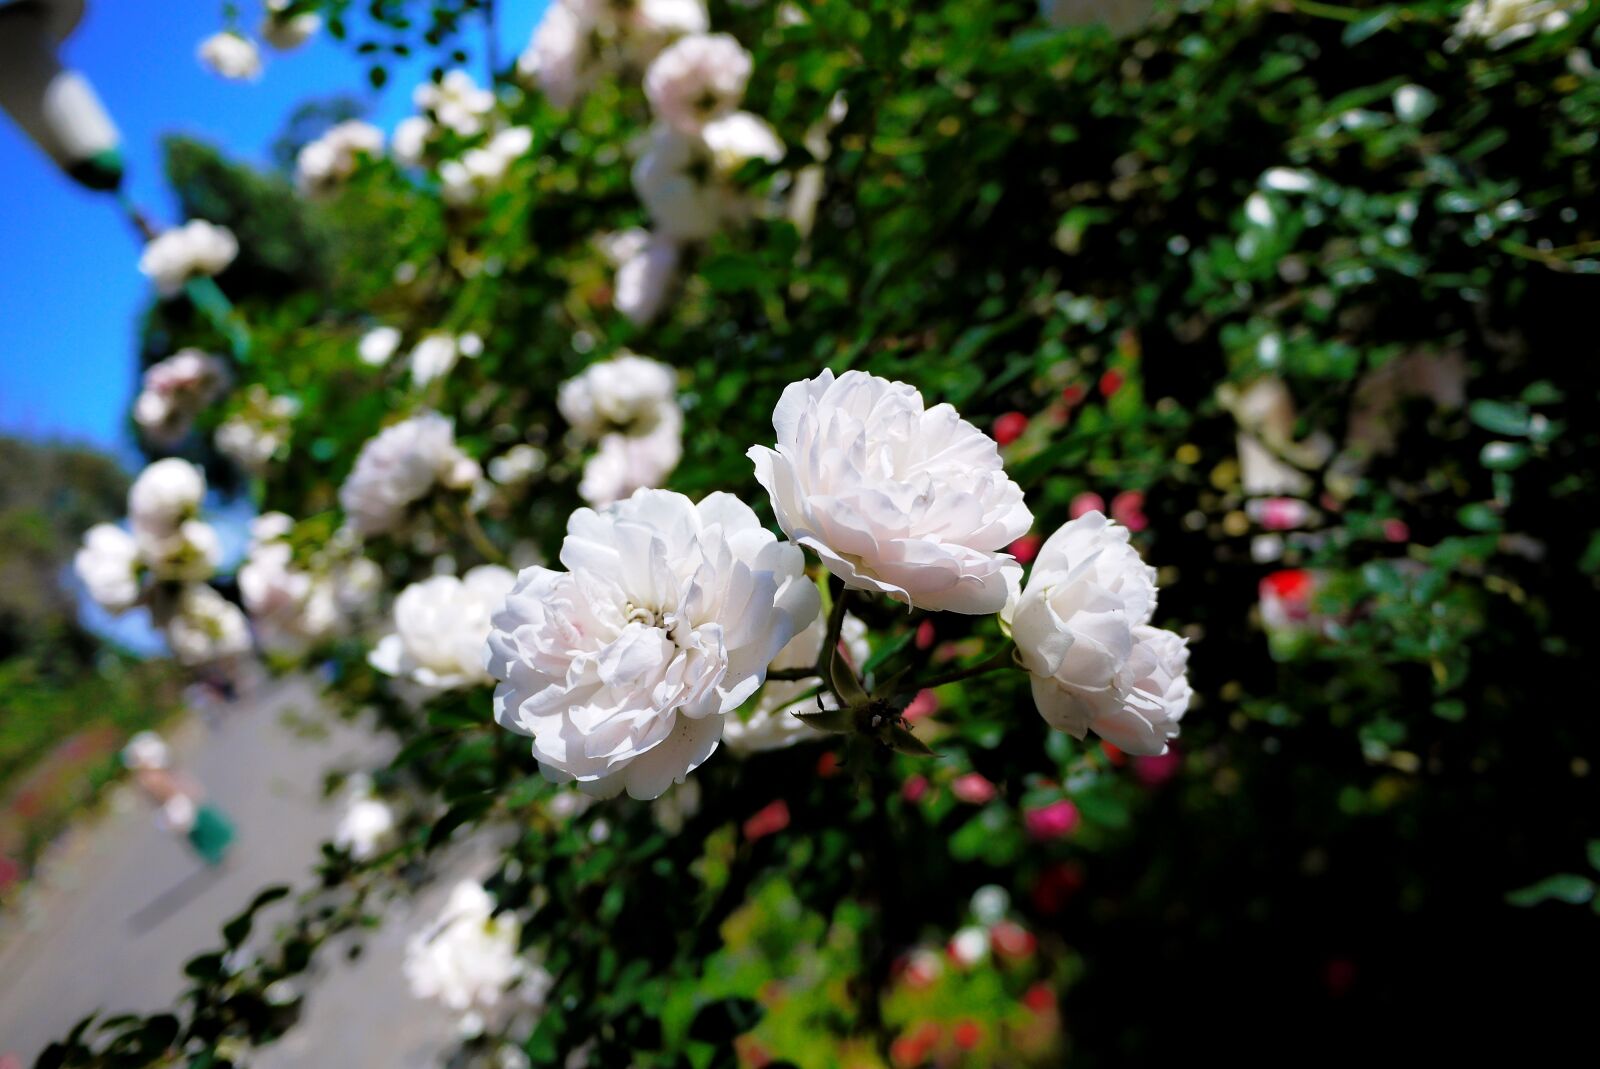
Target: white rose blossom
{"points": [[195, 249], [644, 278], [409, 143], [625, 463], [284, 31], [258, 430], [770, 723], [367, 826], [696, 79], [467, 959], [231, 55], [203, 627], [482, 169], [189, 552], [288, 604], [1504, 22], [578, 40], [378, 345], [685, 181], [896, 498], [456, 102], [627, 394], [175, 390], [440, 628], [399, 466], [330, 160], [165, 494], [108, 566], [1082, 631], [624, 667]]}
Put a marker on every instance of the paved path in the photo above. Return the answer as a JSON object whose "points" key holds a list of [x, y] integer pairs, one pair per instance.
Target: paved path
{"points": [[122, 905]]}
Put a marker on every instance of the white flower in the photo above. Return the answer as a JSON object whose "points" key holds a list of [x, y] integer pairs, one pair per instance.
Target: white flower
{"points": [[401, 465], [1081, 629], [378, 345], [190, 552], [970, 945], [627, 394], [164, 495], [455, 102], [625, 463], [1121, 17], [286, 32], [366, 826], [896, 498], [696, 79], [644, 278], [108, 565], [194, 249], [253, 436], [481, 169], [175, 390], [410, 140], [202, 626], [686, 181], [561, 57], [288, 604], [433, 357], [331, 159], [623, 667], [231, 55], [770, 724], [517, 464], [440, 627], [1504, 22], [467, 959]]}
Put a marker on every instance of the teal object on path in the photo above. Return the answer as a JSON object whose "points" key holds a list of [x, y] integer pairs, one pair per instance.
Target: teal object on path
{"points": [[211, 834]]}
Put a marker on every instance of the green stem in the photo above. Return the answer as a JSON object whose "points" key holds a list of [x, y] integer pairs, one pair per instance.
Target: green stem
{"points": [[1001, 658]]}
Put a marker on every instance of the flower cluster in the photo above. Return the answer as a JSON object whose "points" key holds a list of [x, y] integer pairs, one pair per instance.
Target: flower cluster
{"points": [[195, 249], [400, 466], [432, 357], [1504, 22], [296, 603], [175, 390], [578, 41], [164, 564], [231, 55], [328, 162], [627, 406], [258, 428], [467, 960]]}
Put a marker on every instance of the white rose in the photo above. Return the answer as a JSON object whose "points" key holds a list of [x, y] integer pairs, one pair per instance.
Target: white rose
{"points": [[410, 140], [1081, 629], [896, 498], [770, 723], [685, 181], [1504, 22], [627, 394], [191, 552], [644, 279], [456, 102], [561, 57], [164, 495], [175, 390], [332, 158], [696, 79], [467, 959], [625, 463], [287, 32], [289, 605], [433, 357], [401, 465], [440, 627], [367, 825], [108, 565], [197, 248], [231, 55], [623, 667], [203, 627], [378, 345]]}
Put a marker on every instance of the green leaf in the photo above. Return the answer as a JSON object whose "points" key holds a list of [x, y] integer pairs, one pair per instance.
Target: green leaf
{"points": [[1563, 887], [1375, 23], [1500, 417], [1594, 854]]}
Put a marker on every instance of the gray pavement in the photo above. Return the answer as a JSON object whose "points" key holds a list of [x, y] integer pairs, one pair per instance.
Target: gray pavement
{"points": [[121, 905]]}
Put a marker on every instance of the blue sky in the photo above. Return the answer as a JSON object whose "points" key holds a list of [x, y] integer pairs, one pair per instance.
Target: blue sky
{"points": [[70, 290]]}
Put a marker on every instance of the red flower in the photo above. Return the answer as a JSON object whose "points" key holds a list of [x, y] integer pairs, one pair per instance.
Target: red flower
{"points": [[1396, 530], [1114, 755], [768, 821], [1155, 770], [1088, 501], [1110, 383], [1025, 548], [1040, 998], [1073, 395], [1127, 508], [1054, 821], [973, 789], [1009, 427], [967, 1034], [828, 765], [1054, 886]]}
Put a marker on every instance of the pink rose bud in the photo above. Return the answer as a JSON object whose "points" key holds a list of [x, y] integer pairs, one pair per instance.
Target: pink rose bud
{"points": [[914, 788], [1054, 821], [1025, 548], [1127, 508], [1155, 770], [924, 704], [973, 789], [769, 820], [1396, 531], [925, 635], [1009, 427], [1280, 513], [1088, 501]]}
